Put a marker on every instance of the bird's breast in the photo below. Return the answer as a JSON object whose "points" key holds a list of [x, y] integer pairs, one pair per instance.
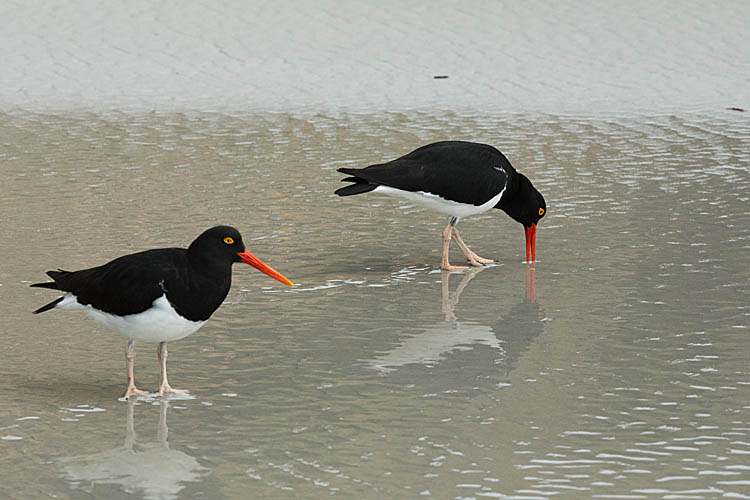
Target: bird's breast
{"points": [[158, 323], [439, 204]]}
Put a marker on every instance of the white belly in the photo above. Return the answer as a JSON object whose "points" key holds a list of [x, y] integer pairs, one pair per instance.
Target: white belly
{"points": [[160, 323], [438, 204]]}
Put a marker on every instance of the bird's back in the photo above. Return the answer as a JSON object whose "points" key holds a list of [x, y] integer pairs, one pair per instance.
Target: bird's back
{"points": [[127, 285], [464, 172]]}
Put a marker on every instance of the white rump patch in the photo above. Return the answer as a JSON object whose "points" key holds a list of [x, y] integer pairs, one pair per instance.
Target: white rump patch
{"points": [[440, 204], [159, 323]]}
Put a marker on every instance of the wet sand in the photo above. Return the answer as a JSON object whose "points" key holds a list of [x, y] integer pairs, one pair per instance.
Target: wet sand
{"points": [[588, 56]]}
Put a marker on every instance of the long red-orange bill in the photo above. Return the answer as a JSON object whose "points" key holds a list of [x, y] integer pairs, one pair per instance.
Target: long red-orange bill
{"points": [[530, 242], [258, 264]]}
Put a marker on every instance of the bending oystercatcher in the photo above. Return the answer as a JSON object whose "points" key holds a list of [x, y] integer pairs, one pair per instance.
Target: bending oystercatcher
{"points": [[157, 295], [458, 179]]}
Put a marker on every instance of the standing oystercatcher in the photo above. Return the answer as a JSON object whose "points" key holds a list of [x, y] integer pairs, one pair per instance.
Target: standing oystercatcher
{"points": [[458, 179], [157, 295]]}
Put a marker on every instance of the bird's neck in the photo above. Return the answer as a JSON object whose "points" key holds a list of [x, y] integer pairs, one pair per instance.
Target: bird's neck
{"points": [[206, 268], [206, 286], [512, 207], [519, 197]]}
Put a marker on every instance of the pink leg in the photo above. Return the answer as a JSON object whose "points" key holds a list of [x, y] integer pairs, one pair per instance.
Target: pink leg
{"points": [[447, 235], [474, 259], [164, 387], [132, 391]]}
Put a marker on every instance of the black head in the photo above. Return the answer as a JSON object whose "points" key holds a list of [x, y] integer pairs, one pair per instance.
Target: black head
{"points": [[220, 243], [526, 205], [540, 207], [223, 244]]}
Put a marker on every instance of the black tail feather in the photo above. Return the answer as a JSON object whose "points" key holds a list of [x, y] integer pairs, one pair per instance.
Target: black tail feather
{"points": [[349, 171], [48, 284], [358, 188], [49, 306], [360, 185], [55, 275]]}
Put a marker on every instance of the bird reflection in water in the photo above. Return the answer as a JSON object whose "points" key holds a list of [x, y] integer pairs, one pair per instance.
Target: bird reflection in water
{"points": [[151, 470], [508, 337], [437, 341], [522, 324], [450, 300]]}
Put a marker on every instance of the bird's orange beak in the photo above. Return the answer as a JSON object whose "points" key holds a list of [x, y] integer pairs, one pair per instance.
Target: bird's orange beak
{"points": [[258, 264], [531, 242]]}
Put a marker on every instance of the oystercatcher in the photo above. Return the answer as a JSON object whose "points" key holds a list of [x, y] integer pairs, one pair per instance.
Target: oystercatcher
{"points": [[458, 179], [157, 295]]}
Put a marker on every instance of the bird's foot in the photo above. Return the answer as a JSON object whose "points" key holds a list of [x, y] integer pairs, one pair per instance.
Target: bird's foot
{"points": [[453, 269], [168, 390], [476, 260], [135, 393]]}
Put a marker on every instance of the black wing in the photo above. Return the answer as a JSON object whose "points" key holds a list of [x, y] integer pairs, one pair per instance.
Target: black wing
{"points": [[465, 172], [126, 285]]}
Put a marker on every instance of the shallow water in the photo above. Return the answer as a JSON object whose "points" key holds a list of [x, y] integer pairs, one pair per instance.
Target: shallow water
{"points": [[615, 367]]}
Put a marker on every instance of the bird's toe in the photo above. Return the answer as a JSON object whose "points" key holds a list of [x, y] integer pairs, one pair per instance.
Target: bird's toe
{"points": [[167, 390], [480, 261], [135, 393], [453, 269]]}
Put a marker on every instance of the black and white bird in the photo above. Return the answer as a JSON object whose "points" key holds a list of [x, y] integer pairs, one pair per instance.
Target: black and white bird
{"points": [[157, 295], [458, 179]]}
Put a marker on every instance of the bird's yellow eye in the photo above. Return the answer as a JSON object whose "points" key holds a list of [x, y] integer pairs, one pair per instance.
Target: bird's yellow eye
{"points": [[541, 211], [228, 240]]}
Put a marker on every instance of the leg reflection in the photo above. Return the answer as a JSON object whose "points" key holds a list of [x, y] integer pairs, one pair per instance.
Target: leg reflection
{"points": [[450, 300]]}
